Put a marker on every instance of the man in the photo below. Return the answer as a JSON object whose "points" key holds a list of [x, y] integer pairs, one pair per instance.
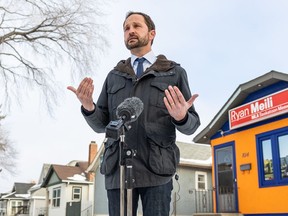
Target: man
{"points": [[168, 105]]}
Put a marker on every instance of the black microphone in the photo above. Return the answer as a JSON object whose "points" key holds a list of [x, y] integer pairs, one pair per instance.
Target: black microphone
{"points": [[130, 109], [127, 111]]}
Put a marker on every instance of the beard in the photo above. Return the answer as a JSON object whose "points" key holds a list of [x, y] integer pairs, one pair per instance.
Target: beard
{"points": [[140, 42]]}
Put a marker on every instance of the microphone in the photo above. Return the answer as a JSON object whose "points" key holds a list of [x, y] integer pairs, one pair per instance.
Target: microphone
{"points": [[127, 111], [130, 109]]}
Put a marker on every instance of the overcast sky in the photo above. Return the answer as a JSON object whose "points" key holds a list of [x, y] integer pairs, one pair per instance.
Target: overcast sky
{"points": [[220, 43]]}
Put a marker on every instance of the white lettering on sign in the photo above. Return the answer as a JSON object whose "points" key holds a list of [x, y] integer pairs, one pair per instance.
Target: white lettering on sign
{"points": [[240, 114], [263, 108], [256, 107]]}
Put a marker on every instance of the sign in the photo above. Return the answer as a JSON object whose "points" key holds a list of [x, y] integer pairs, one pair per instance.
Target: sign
{"points": [[260, 109]]}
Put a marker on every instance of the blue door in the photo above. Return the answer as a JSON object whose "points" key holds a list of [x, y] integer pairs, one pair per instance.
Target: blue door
{"points": [[225, 174]]}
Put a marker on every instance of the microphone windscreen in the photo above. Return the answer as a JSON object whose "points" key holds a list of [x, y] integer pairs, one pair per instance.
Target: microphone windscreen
{"points": [[130, 109]]}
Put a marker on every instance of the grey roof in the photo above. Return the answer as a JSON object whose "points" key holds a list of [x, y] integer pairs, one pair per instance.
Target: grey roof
{"points": [[19, 189], [22, 188], [194, 151], [195, 155], [236, 99]]}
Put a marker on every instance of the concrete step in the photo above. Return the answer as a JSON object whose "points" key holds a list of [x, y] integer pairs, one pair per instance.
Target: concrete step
{"points": [[217, 214], [206, 214]]}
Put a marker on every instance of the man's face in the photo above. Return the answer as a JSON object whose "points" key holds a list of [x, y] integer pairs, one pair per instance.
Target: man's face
{"points": [[136, 32]]}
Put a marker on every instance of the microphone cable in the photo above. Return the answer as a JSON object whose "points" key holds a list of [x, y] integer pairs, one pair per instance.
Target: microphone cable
{"points": [[177, 195]]}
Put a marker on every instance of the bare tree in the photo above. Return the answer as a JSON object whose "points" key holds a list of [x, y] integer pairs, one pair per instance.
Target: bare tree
{"points": [[38, 37], [8, 153]]}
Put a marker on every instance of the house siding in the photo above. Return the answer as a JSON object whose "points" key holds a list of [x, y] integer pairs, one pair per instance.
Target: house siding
{"points": [[61, 210], [100, 195], [183, 194], [252, 198]]}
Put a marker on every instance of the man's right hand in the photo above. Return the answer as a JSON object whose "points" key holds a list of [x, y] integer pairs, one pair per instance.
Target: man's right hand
{"points": [[84, 93]]}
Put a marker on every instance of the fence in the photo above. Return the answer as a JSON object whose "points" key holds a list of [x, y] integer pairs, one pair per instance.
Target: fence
{"points": [[203, 201]]}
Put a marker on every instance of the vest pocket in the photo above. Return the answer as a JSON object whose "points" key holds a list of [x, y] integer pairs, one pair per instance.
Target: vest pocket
{"points": [[158, 93], [164, 154], [116, 93], [110, 161]]}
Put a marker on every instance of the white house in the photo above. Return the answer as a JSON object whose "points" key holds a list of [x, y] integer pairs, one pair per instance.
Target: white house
{"points": [[16, 201], [69, 189], [37, 202]]}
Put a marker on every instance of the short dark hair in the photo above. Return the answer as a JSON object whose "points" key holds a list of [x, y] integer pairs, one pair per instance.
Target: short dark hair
{"points": [[149, 22]]}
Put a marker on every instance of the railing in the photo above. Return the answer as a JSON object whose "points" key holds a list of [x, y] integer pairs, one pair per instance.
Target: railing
{"points": [[203, 201], [20, 210], [43, 211], [226, 199], [87, 211]]}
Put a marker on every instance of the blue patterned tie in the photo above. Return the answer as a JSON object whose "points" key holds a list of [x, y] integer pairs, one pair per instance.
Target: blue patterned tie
{"points": [[140, 66]]}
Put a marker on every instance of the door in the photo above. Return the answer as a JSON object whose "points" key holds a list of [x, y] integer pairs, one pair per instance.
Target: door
{"points": [[73, 208], [225, 174]]}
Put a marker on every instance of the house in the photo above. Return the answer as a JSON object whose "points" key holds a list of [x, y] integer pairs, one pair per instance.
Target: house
{"points": [[37, 198], [249, 140], [3, 208], [69, 189], [192, 192], [37, 201], [16, 201], [193, 182]]}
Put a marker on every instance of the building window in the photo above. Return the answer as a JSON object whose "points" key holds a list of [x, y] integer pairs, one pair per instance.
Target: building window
{"points": [[2, 207], [201, 180], [56, 197], [76, 195], [267, 159], [16, 206], [272, 149]]}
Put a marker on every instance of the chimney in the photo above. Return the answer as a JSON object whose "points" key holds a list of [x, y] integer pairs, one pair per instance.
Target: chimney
{"points": [[93, 149]]}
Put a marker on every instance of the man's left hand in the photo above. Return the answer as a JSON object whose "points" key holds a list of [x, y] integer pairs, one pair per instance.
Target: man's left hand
{"points": [[176, 104]]}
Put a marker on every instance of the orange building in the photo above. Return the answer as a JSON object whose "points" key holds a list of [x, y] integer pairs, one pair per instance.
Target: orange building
{"points": [[249, 140]]}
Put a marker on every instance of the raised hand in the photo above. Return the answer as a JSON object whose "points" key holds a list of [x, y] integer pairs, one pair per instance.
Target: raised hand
{"points": [[84, 93], [176, 104]]}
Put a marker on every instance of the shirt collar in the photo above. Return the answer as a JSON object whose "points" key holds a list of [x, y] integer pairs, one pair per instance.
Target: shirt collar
{"points": [[150, 57]]}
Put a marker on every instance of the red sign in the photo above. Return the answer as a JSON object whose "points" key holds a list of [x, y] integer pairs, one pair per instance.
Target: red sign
{"points": [[260, 109]]}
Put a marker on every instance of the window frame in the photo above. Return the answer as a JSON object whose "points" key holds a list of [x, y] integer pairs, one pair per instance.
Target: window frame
{"points": [[74, 193], [15, 205], [56, 198], [272, 136], [197, 173]]}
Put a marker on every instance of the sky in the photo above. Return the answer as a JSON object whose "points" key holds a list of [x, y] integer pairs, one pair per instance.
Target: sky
{"points": [[220, 43]]}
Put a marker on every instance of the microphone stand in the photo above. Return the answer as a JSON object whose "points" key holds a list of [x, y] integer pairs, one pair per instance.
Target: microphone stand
{"points": [[126, 175], [127, 112]]}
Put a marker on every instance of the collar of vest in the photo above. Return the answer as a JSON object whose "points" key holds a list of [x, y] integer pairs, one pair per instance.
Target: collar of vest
{"points": [[161, 64]]}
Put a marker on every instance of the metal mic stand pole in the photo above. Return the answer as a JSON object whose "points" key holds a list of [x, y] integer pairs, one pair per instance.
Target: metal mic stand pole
{"points": [[126, 156]]}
